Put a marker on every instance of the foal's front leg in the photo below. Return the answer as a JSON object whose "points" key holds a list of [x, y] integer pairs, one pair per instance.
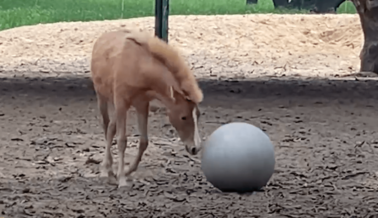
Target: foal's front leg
{"points": [[121, 114], [142, 116]]}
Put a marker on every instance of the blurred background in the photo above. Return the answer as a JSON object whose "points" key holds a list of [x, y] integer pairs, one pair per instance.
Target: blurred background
{"points": [[15, 13]]}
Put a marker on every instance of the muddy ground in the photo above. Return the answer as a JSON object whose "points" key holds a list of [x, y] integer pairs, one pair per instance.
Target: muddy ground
{"points": [[324, 132]]}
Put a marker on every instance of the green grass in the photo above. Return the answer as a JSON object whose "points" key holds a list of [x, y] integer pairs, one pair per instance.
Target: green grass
{"points": [[14, 13]]}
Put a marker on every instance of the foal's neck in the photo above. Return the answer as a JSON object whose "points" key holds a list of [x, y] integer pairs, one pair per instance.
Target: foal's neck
{"points": [[161, 83], [163, 93]]}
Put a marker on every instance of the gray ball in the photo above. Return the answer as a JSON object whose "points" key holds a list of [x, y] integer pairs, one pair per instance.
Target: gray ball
{"points": [[238, 157]]}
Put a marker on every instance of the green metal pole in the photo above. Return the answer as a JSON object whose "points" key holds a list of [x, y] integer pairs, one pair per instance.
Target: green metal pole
{"points": [[161, 19]]}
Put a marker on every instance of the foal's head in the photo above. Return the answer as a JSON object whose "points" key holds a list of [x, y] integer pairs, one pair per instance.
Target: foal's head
{"points": [[183, 115]]}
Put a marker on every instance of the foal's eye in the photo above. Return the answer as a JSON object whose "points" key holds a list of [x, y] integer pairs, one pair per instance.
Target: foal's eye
{"points": [[183, 118]]}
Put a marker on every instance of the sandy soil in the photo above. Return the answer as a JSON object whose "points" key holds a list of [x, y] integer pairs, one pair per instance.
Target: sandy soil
{"points": [[275, 45], [323, 126]]}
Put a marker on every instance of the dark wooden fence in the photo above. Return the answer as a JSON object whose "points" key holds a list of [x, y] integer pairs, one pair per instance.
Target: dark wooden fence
{"points": [[316, 6]]}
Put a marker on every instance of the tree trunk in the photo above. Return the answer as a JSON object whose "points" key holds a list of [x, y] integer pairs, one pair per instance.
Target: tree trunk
{"points": [[368, 12]]}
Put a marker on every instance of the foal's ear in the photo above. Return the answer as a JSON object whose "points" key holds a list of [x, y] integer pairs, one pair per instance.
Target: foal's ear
{"points": [[173, 92]]}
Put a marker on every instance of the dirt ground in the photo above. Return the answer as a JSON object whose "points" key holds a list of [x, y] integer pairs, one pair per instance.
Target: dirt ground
{"points": [[322, 122]]}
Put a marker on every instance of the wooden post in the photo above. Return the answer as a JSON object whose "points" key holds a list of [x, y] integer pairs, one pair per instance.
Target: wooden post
{"points": [[161, 19]]}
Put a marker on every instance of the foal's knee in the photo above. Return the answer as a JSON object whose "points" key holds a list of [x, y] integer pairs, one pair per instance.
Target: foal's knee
{"points": [[122, 142], [110, 131], [112, 127]]}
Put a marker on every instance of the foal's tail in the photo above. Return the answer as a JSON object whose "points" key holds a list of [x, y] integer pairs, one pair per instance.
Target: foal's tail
{"points": [[172, 60]]}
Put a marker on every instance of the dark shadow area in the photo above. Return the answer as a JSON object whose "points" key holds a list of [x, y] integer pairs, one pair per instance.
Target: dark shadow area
{"points": [[58, 89]]}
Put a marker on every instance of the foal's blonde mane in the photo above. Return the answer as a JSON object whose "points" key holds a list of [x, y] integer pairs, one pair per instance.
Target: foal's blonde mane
{"points": [[172, 59]]}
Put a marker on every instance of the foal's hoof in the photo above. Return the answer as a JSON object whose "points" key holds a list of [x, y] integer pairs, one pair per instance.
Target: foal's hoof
{"points": [[108, 177], [112, 180], [105, 172], [122, 183], [109, 180]]}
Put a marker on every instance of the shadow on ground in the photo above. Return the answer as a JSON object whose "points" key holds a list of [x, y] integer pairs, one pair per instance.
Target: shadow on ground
{"points": [[216, 92]]}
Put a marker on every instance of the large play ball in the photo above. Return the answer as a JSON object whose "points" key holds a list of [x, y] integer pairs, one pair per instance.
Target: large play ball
{"points": [[238, 157]]}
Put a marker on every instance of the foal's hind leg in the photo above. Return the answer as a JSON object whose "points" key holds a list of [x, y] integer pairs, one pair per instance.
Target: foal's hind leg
{"points": [[103, 107], [109, 130], [142, 117]]}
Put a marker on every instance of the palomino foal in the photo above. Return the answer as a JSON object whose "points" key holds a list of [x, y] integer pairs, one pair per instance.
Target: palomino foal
{"points": [[129, 69]]}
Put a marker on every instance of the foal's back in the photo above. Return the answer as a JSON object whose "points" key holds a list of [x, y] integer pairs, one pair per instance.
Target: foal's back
{"points": [[122, 65]]}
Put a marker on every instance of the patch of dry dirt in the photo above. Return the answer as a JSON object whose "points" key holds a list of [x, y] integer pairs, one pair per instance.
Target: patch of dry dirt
{"points": [[324, 129], [279, 45]]}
